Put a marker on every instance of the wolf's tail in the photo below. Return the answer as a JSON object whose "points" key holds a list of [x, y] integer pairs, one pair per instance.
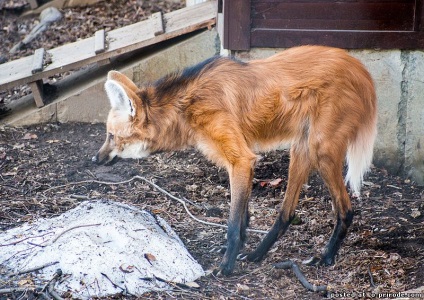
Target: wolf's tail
{"points": [[359, 156]]}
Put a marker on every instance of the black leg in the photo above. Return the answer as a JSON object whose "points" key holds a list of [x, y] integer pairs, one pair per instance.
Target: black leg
{"points": [[336, 239], [277, 230], [241, 184]]}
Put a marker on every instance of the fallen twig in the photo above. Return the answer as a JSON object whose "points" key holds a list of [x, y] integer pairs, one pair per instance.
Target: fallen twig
{"points": [[186, 208], [160, 190], [51, 291], [69, 229], [32, 269], [124, 290], [113, 283], [40, 291], [291, 264], [79, 197], [16, 290], [371, 277], [24, 239], [49, 286], [180, 286]]}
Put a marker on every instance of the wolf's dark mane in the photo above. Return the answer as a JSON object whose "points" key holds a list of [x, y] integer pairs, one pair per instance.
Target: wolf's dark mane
{"points": [[172, 83], [169, 85]]}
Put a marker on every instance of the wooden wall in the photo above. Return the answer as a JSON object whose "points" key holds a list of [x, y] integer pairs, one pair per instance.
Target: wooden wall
{"points": [[383, 24]]}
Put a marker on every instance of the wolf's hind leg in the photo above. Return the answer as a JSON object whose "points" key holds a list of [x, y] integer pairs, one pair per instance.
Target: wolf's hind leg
{"points": [[299, 170]]}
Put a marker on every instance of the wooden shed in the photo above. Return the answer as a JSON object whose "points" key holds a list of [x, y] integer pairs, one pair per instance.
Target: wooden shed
{"points": [[350, 24]]}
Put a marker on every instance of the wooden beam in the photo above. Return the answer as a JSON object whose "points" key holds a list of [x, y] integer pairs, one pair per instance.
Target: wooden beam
{"points": [[37, 61], [158, 27], [99, 41], [121, 40], [37, 92]]}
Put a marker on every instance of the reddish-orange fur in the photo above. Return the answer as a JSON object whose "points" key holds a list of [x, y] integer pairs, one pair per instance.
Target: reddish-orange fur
{"points": [[319, 99]]}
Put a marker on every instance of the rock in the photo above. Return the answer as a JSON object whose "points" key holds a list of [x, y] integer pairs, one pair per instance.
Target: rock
{"points": [[50, 15], [3, 59], [47, 16]]}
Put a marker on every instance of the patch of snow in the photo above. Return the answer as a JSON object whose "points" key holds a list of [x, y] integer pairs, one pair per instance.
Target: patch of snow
{"points": [[116, 243]]}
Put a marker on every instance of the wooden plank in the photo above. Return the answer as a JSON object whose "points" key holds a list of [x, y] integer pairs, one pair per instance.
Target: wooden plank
{"points": [[419, 15], [37, 61], [278, 38], [236, 24], [122, 40], [103, 62], [33, 4], [335, 15], [157, 21], [319, 24], [99, 41], [190, 19], [37, 92]]}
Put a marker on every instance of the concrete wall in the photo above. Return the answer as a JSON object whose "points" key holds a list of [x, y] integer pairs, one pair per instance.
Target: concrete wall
{"points": [[399, 79]]}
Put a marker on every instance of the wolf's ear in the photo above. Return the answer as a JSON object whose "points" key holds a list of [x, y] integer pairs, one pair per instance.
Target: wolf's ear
{"points": [[119, 98], [121, 78]]}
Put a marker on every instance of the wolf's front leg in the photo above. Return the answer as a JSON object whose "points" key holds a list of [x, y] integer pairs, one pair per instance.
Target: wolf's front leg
{"points": [[241, 175]]}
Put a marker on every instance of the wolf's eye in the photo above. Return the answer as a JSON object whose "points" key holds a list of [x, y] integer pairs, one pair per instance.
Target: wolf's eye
{"points": [[110, 136]]}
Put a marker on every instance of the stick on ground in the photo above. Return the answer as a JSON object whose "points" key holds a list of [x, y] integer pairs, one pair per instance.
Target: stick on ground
{"points": [[288, 264]]}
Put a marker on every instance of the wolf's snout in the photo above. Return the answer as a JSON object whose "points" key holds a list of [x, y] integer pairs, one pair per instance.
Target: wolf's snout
{"points": [[104, 160], [95, 159], [99, 159]]}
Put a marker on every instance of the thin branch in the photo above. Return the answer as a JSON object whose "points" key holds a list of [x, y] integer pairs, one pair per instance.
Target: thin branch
{"points": [[289, 264], [33, 269], [371, 277], [24, 239], [50, 285], [124, 290], [69, 229], [16, 290], [160, 190]]}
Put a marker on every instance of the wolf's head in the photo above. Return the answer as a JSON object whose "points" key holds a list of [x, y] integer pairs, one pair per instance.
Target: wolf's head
{"points": [[128, 133]]}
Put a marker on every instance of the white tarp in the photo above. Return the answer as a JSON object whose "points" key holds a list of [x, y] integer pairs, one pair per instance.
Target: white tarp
{"points": [[116, 245]]}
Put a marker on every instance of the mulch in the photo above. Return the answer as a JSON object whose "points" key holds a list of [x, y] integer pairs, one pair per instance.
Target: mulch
{"points": [[46, 170]]}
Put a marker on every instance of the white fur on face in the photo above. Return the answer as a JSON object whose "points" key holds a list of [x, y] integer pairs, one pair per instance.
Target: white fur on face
{"points": [[136, 150]]}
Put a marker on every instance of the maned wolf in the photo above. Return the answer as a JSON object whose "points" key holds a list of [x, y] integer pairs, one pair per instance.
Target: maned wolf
{"points": [[319, 99]]}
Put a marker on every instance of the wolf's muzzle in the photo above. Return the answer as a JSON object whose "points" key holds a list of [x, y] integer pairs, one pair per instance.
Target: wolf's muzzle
{"points": [[104, 161]]}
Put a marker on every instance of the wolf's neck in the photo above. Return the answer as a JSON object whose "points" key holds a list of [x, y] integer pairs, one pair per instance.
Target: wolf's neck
{"points": [[168, 120]]}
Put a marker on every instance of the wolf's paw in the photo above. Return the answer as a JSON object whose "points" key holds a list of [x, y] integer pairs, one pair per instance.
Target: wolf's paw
{"points": [[222, 270], [251, 256], [319, 261], [219, 250]]}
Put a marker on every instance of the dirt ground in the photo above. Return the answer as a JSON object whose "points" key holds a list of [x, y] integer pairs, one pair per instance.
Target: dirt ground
{"points": [[47, 169]]}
